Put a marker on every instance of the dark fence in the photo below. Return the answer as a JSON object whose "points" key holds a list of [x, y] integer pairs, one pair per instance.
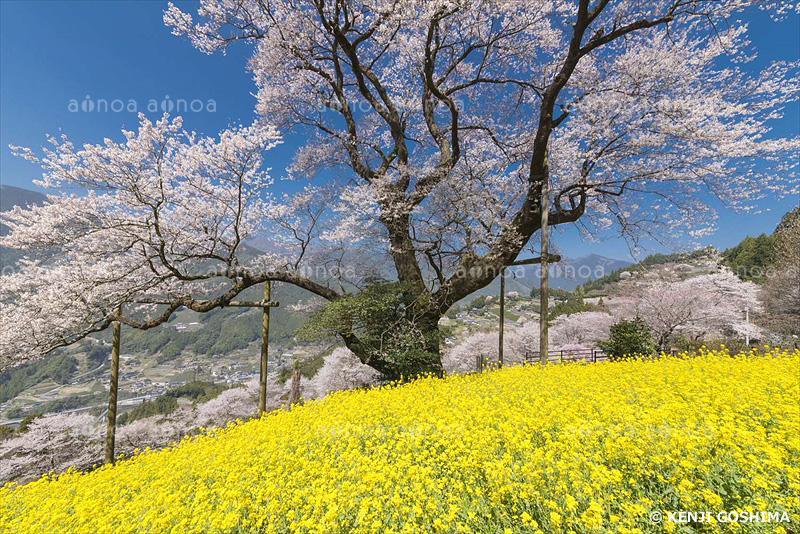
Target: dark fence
{"points": [[570, 355], [553, 356], [563, 356]]}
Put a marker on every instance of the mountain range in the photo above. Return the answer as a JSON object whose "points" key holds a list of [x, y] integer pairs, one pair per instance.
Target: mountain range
{"points": [[11, 196], [567, 274]]}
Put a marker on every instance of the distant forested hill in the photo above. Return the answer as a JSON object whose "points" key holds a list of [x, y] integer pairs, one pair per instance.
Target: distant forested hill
{"points": [[221, 331], [753, 256], [650, 261]]}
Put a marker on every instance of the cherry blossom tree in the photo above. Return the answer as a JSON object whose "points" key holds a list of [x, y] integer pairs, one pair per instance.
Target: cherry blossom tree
{"points": [[571, 334], [445, 117], [51, 443], [706, 305], [165, 213], [431, 126], [711, 304], [153, 432], [341, 370], [237, 403], [581, 329], [462, 358]]}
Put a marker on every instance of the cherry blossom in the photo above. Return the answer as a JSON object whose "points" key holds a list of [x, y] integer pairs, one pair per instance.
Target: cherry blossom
{"points": [[51, 443]]}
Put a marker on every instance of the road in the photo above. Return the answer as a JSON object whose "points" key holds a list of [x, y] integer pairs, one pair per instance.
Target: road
{"points": [[122, 402]]}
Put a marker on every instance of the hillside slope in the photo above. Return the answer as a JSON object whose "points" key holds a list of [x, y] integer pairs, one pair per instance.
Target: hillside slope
{"points": [[586, 448]]}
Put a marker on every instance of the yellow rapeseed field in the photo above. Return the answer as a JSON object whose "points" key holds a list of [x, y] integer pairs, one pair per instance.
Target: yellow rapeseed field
{"points": [[569, 448]]}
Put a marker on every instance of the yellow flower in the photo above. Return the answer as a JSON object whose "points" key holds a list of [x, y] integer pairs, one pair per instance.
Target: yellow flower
{"points": [[565, 444]]}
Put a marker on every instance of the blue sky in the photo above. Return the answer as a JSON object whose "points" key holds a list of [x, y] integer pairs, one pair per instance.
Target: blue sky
{"points": [[54, 52]]}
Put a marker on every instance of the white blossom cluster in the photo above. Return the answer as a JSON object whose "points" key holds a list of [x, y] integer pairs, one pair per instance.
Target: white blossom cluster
{"points": [[164, 212], [699, 307]]}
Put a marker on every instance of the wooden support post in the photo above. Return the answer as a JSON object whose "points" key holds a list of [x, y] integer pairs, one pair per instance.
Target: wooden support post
{"points": [[265, 305], [294, 389], [502, 317], [111, 422], [544, 296], [262, 384]]}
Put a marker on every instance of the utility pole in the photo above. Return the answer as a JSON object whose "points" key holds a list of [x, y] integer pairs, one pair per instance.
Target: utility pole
{"points": [[544, 296], [502, 316], [262, 384], [111, 421]]}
